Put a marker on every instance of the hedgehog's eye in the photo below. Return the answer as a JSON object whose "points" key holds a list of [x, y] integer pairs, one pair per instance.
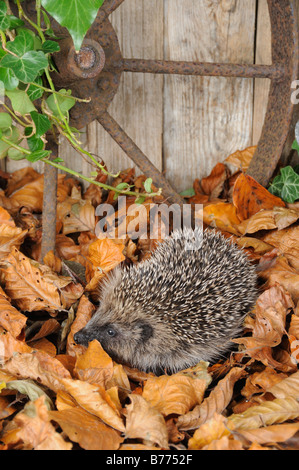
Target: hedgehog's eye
{"points": [[111, 332]]}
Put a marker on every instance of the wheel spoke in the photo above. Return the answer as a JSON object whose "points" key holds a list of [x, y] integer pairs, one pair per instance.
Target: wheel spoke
{"points": [[111, 5], [201, 68], [138, 157]]}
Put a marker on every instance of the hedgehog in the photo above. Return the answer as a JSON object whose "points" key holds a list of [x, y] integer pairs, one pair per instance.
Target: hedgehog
{"points": [[181, 306]]}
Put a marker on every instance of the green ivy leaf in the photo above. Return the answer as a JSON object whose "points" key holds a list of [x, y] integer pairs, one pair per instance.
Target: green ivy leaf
{"points": [[38, 155], [34, 143], [76, 15], [42, 123], [5, 120], [65, 102], [140, 200], [4, 20], [11, 134], [148, 185], [50, 46], [15, 154], [122, 186], [8, 78], [26, 63], [20, 101], [188, 193], [27, 67], [23, 43], [286, 185], [35, 92]]}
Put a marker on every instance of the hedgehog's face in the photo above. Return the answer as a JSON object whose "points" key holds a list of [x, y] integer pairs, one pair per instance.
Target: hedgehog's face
{"points": [[120, 340]]}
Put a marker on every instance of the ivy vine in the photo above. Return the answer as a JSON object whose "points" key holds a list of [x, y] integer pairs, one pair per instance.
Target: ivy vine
{"points": [[25, 77]]}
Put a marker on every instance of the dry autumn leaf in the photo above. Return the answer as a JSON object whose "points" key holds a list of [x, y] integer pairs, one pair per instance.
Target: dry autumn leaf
{"points": [[10, 237], [216, 402], [222, 215], [279, 217], [94, 365], [249, 197], [35, 429], [84, 313], [177, 393], [10, 318], [95, 400], [214, 429], [213, 184], [241, 158], [5, 218], [34, 287], [86, 429], [145, 422], [267, 413], [76, 214], [287, 242]]}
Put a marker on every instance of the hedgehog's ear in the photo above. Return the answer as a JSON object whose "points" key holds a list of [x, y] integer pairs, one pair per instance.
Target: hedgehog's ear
{"points": [[146, 331]]}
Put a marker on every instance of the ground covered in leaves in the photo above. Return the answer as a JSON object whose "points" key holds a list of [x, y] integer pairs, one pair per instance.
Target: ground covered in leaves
{"points": [[59, 395]]}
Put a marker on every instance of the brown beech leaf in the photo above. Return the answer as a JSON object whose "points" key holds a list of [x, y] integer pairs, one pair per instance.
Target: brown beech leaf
{"points": [[289, 387], [216, 402], [95, 400], [281, 273], [258, 245], [177, 393], [145, 422], [223, 216], [241, 158], [76, 214], [9, 346], [10, 318], [88, 430], [30, 195], [214, 429], [5, 218], [270, 434], [36, 430], [84, 313], [249, 197], [279, 217], [9, 237], [267, 413], [287, 242], [260, 382], [214, 183], [33, 286], [271, 310], [94, 365], [20, 178], [106, 254]]}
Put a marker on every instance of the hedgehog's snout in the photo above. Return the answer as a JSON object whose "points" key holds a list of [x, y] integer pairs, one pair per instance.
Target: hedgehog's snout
{"points": [[82, 337]]}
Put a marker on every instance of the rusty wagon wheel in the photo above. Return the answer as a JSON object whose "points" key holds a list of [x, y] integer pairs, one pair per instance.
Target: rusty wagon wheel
{"points": [[95, 72]]}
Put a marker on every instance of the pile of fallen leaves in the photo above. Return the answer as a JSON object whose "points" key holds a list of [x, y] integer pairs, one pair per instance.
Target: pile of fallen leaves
{"points": [[56, 394]]}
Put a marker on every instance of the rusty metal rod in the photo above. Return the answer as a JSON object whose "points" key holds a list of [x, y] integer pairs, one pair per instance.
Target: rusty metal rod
{"points": [[139, 158], [275, 72], [49, 203], [109, 6]]}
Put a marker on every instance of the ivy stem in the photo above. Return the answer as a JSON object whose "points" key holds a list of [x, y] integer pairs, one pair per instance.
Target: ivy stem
{"points": [[16, 118], [97, 183], [79, 175], [35, 26], [64, 95]]}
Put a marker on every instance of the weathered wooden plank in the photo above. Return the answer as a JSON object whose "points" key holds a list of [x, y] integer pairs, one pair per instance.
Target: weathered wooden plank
{"points": [[263, 56], [137, 106], [205, 119]]}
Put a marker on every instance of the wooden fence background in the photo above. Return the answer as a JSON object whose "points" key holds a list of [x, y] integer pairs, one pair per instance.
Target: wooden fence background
{"points": [[185, 125]]}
